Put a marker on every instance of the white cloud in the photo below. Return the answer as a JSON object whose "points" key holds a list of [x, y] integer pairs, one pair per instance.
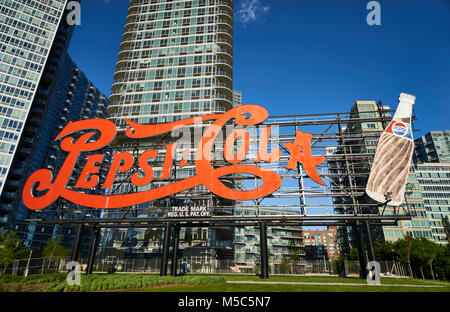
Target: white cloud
{"points": [[251, 10]]}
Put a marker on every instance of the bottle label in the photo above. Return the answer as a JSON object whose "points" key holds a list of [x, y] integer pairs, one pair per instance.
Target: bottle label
{"points": [[400, 129]]}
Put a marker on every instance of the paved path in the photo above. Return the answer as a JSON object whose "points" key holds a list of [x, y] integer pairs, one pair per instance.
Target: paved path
{"points": [[330, 284]]}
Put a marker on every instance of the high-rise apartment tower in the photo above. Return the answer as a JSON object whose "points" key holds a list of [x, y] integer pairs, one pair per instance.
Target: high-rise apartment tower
{"points": [[175, 62]]}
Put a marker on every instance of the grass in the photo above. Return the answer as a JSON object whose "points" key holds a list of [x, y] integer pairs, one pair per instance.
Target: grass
{"points": [[210, 283], [332, 279], [292, 288], [10, 283], [440, 286]]}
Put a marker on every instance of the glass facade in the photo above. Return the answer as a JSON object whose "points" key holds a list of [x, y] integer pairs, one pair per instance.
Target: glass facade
{"points": [[175, 62], [433, 147], [419, 226], [61, 94], [74, 98], [282, 241], [434, 182], [27, 30]]}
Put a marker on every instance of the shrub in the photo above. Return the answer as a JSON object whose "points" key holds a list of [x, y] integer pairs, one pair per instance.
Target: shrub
{"points": [[121, 281]]}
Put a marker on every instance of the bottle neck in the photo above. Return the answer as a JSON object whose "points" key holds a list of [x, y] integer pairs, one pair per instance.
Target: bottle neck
{"points": [[404, 110]]}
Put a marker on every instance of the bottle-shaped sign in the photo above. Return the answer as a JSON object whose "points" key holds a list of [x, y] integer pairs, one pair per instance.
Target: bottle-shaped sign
{"points": [[389, 173]]}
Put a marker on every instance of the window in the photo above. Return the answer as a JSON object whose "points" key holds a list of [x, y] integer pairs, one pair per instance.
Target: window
{"points": [[197, 70], [180, 84], [157, 85], [181, 71], [198, 59], [159, 73], [179, 95], [156, 97], [184, 40], [164, 33], [182, 61]]}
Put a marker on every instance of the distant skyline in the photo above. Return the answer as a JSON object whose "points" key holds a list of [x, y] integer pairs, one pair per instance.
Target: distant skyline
{"points": [[311, 56]]}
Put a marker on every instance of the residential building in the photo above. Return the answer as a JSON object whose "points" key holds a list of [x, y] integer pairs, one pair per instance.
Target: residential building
{"points": [[321, 244], [74, 98], [284, 242], [175, 62], [27, 33], [419, 226], [367, 134], [62, 94], [237, 98], [433, 147], [434, 182]]}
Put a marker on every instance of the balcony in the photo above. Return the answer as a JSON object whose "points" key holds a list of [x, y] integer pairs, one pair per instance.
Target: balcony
{"points": [[27, 141], [226, 22], [13, 184], [36, 111], [9, 196], [224, 100], [225, 53], [225, 14], [25, 151], [17, 172], [222, 244], [224, 74], [226, 4], [6, 208]]}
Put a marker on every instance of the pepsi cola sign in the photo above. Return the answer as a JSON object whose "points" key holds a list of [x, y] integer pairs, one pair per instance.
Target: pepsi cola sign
{"points": [[51, 188]]}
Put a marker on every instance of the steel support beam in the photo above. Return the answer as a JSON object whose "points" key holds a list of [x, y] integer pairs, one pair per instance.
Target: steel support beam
{"points": [[267, 218], [165, 251], [76, 243], [263, 251], [93, 250], [361, 252], [176, 240], [370, 247]]}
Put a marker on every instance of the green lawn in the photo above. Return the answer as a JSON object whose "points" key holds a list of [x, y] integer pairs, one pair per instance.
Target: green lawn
{"points": [[311, 288], [213, 283], [331, 279], [292, 288]]}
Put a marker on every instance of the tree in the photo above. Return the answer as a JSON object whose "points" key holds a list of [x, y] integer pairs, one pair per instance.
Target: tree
{"points": [[285, 265], [353, 255], [384, 251], [54, 249], [433, 250], [424, 253], [402, 250], [339, 265], [11, 248], [442, 264], [294, 254], [419, 253]]}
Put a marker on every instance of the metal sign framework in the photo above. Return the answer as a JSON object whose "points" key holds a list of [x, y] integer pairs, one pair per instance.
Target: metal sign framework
{"points": [[293, 202]]}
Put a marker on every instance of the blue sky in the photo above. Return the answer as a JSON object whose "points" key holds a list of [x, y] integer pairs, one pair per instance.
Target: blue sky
{"points": [[311, 56]]}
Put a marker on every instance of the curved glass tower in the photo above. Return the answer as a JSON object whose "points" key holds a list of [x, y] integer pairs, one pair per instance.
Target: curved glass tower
{"points": [[175, 61]]}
